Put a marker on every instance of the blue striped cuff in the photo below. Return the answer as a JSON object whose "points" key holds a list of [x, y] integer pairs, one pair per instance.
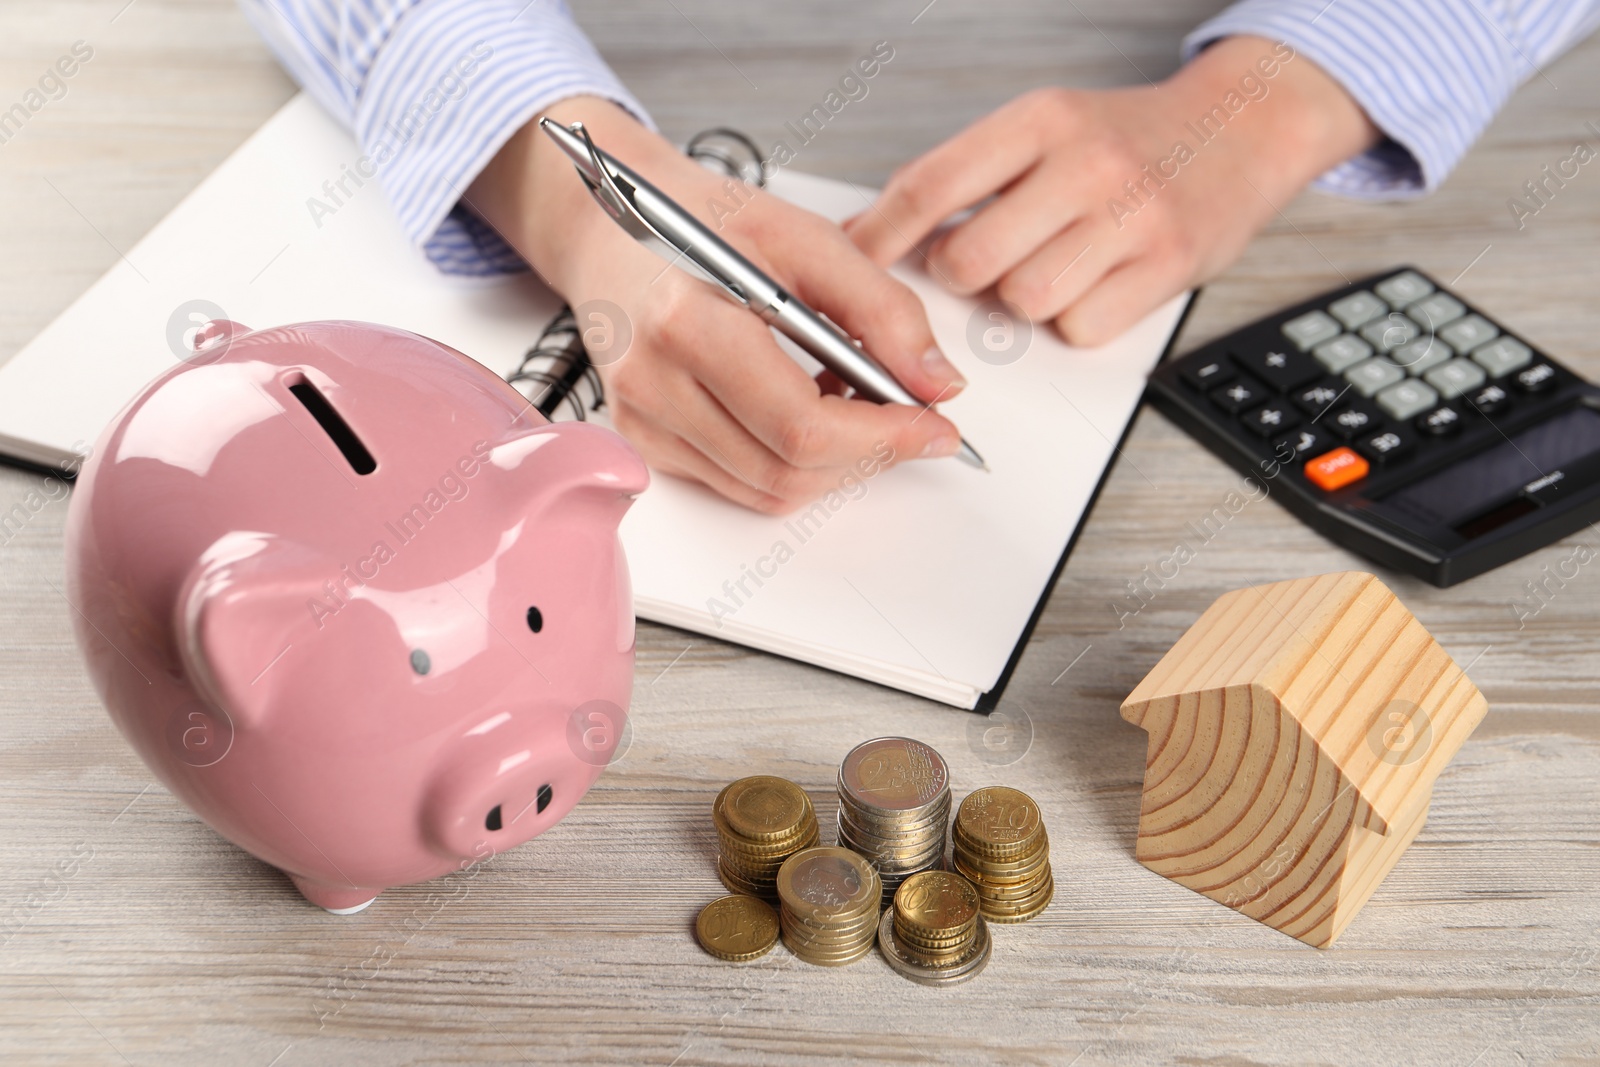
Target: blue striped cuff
{"points": [[455, 81], [1430, 74]]}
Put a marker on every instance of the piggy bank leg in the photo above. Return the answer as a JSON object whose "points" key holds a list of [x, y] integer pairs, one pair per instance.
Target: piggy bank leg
{"points": [[339, 900]]}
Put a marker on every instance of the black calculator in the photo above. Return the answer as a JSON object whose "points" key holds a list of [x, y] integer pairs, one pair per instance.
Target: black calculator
{"points": [[1400, 422]]}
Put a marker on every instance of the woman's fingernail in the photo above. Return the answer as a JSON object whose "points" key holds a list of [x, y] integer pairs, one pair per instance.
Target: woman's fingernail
{"points": [[937, 366], [940, 447]]}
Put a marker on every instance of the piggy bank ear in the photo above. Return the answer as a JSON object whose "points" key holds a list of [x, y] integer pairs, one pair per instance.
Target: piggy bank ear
{"points": [[571, 462], [248, 600]]}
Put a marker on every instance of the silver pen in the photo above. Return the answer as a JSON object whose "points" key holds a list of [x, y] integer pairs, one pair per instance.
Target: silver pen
{"points": [[654, 220]]}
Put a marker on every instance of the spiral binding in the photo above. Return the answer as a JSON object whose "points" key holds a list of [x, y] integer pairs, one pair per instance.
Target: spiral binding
{"points": [[556, 373]]}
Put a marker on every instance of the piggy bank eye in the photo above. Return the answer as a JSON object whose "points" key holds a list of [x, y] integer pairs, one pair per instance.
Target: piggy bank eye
{"points": [[535, 620]]}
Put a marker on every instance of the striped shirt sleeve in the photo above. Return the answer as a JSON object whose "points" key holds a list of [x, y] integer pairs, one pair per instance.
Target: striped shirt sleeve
{"points": [[432, 89], [1430, 74]]}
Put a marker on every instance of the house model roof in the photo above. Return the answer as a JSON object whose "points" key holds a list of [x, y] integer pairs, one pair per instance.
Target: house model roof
{"points": [[1347, 662]]}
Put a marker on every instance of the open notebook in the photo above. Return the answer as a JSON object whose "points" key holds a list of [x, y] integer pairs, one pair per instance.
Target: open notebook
{"points": [[925, 577]]}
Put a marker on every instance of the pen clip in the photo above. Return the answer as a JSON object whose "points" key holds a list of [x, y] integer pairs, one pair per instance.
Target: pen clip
{"points": [[620, 207]]}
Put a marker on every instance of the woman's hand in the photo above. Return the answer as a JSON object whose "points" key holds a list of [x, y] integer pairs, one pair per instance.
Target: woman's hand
{"points": [[702, 389], [1107, 204]]}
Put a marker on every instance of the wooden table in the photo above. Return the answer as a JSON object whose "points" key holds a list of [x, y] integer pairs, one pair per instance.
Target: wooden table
{"points": [[168, 945]]}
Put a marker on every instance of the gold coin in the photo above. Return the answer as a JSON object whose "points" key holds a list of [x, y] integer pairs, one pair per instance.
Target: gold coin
{"points": [[942, 971], [828, 884], [829, 935], [892, 774], [936, 900], [1022, 860], [931, 945], [832, 931], [737, 928], [763, 808], [1020, 911], [1019, 866], [988, 885], [835, 961], [734, 885], [779, 850], [998, 819], [940, 958]]}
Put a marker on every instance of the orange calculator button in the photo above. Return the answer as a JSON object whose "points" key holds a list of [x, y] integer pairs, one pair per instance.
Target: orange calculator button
{"points": [[1336, 469]]}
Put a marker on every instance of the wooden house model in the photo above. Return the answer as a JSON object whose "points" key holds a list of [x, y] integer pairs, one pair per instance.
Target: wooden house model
{"points": [[1295, 732]]}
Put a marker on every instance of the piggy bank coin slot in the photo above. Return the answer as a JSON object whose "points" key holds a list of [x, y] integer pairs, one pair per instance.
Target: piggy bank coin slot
{"points": [[544, 797], [493, 820], [535, 620], [333, 424]]}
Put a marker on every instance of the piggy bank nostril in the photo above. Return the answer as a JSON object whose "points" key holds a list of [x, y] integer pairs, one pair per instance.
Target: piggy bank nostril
{"points": [[544, 797], [493, 820], [535, 620]]}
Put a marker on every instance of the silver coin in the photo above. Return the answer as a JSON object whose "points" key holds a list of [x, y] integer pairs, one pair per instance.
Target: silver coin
{"points": [[910, 817], [940, 801], [938, 822], [926, 852], [934, 832], [893, 773]]}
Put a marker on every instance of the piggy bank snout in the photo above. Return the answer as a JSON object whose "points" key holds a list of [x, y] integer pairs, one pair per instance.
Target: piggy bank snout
{"points": [[488, 799]]}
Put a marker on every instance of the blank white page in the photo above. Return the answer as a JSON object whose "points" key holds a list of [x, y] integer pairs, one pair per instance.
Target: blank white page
{"points": [[927, 580]]}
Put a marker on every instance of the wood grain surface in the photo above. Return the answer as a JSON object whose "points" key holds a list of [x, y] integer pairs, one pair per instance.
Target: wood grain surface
{"points": [[133, 934]]}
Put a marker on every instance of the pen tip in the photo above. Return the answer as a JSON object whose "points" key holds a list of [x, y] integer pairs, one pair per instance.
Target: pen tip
{"points": [[969, 455]]}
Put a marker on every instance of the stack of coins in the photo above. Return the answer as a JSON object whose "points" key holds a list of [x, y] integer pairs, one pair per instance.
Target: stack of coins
{"points": [[761, 821], [1000, 845], [934, 933], [894, 806], [828, 905]]}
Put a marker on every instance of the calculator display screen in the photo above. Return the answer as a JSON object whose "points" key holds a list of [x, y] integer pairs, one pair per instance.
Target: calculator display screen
{"points": [[1487, 477]]}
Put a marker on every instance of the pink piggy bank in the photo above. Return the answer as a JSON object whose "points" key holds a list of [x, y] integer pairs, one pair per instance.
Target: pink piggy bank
{"points": [[355, 602]]}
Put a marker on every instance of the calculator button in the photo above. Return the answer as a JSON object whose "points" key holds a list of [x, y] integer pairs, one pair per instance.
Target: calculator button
{"points": [[1207, 373], [1373, 375], [1336, 469], [1296, 446], [1503, 356], [1315, 399], [1421, 356], [1341, 353], [1490, 400], [1239, 395], [1407, 398], [1270, 419], [1357, 309], [1404, 288], [1442, 421], [1282, 370], [1386, 447], [1464, 335], [1454, 378], [1390, 332], [1435, 311], [1351, 421], [1311, 329], [1537, 378]]}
